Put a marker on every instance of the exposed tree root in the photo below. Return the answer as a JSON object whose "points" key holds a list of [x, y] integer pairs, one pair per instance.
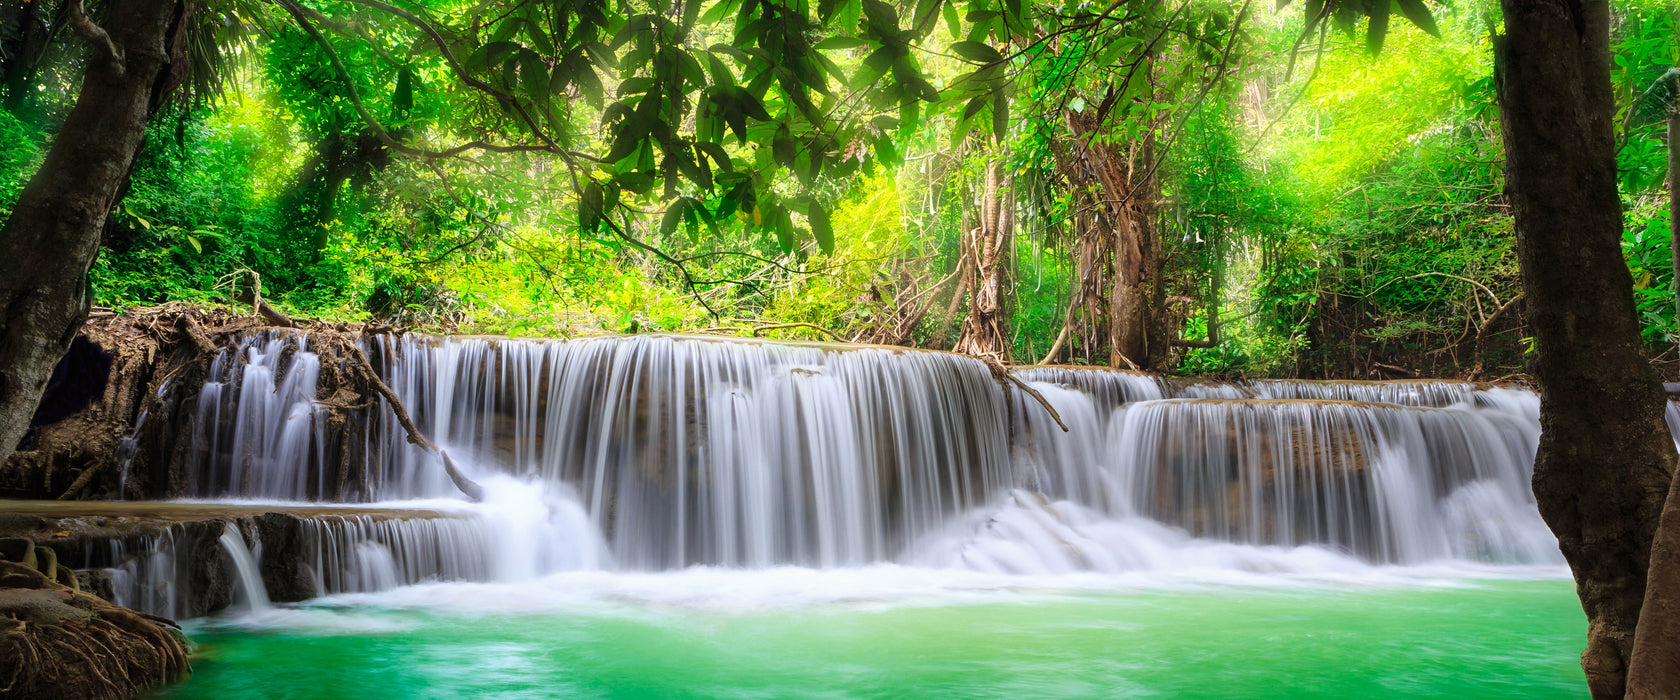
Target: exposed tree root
{"points": [[57, 642]]}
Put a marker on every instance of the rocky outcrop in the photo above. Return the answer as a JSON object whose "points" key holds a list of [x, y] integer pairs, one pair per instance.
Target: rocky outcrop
{"points": [[57, 641]]}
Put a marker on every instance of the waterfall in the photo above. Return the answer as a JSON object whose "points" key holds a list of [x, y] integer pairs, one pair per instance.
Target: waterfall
{"points": [[250, 584], [363, 553], [258, 431], [679, 451]]}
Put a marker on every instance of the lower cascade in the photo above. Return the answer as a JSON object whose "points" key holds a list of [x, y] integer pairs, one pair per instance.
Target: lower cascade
{"points": [[657, 452]]}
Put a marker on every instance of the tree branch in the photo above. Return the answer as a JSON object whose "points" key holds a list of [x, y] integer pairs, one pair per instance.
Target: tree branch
{"points": [[93, 34]]}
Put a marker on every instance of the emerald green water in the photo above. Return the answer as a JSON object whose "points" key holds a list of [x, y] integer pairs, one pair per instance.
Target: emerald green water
{"points": [[1476, 638]]}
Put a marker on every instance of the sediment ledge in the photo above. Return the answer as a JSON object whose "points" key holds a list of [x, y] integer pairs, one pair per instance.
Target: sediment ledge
{"points": [[166, 558]]}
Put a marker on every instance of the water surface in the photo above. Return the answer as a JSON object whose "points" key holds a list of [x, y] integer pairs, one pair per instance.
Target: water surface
{"points": [[890, 632]]}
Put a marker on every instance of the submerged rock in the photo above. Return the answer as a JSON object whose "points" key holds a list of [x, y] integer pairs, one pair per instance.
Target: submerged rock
{"points": [[58, 642]]}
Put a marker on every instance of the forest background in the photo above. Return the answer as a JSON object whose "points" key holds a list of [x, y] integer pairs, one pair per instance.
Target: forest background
{"points": [[1307, 206]]}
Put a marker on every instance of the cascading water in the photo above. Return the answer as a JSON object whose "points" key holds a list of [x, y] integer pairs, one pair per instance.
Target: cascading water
{"points": [[681, 451], [250, 585]]}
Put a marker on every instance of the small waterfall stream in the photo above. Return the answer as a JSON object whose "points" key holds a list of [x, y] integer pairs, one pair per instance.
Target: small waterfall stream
{"points": [[249, 583], [679, 451]]}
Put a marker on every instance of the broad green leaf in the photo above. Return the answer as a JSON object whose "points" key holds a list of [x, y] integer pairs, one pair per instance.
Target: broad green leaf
{"points": [[976, 51], [821, 228], [590, 207], [403, 100], [1418, 13], [1378, 28], [673, 216], [1000, 115]]}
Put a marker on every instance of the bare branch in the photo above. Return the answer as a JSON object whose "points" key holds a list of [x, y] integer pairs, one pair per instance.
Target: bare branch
{"points": [[93, 34]]}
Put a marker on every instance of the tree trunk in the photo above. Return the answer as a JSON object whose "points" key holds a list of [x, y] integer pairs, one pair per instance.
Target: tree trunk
{"points": [[48, 243], [1116, 185], [1134, 340], [985, 329], [1605, 458], [1654, 670]]}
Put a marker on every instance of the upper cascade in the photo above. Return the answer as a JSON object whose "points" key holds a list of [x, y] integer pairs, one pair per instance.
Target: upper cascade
{"points": [[686, 450]]}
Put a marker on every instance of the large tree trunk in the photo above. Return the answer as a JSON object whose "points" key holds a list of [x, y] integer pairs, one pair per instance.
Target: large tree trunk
{"points": [[1605, 459], [985, 329], [1116, 185], [50, 240], [1654, 670], [1134, 319]]}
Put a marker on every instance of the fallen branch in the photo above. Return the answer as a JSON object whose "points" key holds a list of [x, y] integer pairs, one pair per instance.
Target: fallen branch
{"points": [[1481, 333], [364, 368], [87, 476], [253, 297], [195, 333], [1397, 370], [1002, 374]]}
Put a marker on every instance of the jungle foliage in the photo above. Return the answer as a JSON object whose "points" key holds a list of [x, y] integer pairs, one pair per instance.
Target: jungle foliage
{"points": [[777, 168]]}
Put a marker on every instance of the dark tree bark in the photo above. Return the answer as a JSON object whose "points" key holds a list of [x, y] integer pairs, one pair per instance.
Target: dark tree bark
{"points": [[985, 329], [48, 243], [1605, 459], [1654, 670]]}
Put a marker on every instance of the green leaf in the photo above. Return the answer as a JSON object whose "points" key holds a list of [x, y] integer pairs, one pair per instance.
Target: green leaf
{"points": [[496, 52], [590, 207], [590, 85], [673, 216], [195, 244], [976, 51], [840, 43], [1418, 13], [721, 75], [1000, 115], [821, 228], [925, 10], [784, 147], [881, 15], [403, 100], [784, 228], [1378, 29], [533, 76]]}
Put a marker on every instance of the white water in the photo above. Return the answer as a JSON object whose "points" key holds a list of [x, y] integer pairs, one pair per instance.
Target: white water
{"points": [[249, 582], [652, 453]]}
